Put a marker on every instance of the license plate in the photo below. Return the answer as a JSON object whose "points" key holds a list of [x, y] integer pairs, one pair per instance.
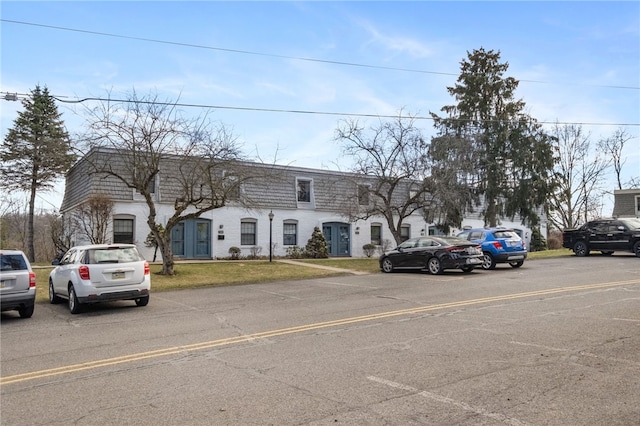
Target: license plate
{"points": [[117, 275]]}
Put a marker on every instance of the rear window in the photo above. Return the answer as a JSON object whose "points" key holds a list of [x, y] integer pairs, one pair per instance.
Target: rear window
{"points": [[12, 262], [506, 234], [114, 255]]}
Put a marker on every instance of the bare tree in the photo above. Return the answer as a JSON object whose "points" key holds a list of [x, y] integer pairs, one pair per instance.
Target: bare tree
{"points": [[93, 218], [58, 231], [392, 158], [578, 173], [148, 143], [614, 147]]}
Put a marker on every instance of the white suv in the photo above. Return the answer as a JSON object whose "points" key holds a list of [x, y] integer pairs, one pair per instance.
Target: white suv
{"points": [[99, 273], [17, 283]]}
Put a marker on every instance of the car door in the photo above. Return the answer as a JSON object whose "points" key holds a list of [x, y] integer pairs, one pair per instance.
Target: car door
{"points": [[62, 273], [406, 256], [619, 236], [599, 235]]}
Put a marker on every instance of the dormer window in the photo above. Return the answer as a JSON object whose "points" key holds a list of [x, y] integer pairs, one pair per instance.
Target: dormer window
{"points": [[304, 190]]}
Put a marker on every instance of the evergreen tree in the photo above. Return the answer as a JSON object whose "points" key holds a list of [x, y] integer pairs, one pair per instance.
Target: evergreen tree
{"points": [[317, 245], [493, 147], [35, 152]]}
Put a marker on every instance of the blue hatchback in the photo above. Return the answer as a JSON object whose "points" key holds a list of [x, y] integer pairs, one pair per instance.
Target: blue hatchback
{"points": [[499, 245]]}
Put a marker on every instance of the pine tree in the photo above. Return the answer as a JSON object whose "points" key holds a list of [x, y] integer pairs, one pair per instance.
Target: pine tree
{"points": [[317, 245], [497, 150], [35, 152]]}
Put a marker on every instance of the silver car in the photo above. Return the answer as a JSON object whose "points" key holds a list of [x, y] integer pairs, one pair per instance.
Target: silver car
{"points": [[17, 283], [100, 273]]}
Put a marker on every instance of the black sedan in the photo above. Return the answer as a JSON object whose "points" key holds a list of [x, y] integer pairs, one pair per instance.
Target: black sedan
{"points": [[434, 254]]}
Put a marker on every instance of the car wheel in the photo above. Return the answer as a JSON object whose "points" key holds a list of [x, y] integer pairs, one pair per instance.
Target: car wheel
{"points": [[636, 248], [142, 301], [53, 298], [434, 266], [467, 269], [516, 264], [26, 311], [387, 265], [606, 252], [74, 304], [580, 249], [488, 262]]}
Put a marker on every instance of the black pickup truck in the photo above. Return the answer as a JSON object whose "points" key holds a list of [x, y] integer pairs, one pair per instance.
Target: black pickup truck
{"points": [[605, 236]]}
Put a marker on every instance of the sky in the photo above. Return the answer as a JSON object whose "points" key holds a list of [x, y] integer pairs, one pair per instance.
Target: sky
{"points": [[254, 63]]}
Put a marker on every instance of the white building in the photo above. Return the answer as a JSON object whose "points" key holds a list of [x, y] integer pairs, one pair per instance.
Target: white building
{"points": [[299, 199]]}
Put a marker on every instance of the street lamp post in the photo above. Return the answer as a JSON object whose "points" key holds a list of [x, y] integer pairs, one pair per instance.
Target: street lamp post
{"points": [[270, 235]]}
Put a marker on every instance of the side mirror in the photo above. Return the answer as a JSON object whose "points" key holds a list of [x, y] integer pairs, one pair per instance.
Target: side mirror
{"points": [[55, 262]]}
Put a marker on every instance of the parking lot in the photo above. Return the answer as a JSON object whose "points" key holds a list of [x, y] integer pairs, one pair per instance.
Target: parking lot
{"points": [[555, 342]]}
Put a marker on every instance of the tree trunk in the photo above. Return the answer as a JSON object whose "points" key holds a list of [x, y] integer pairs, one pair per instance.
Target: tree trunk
{"points": [[167, 254], [31, 251]]}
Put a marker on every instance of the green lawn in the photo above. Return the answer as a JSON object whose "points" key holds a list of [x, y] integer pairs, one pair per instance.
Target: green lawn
{"points": [[222, 273]]}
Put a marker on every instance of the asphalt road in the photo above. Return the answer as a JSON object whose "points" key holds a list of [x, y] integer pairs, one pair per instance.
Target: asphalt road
{"points": [[556, 342]]}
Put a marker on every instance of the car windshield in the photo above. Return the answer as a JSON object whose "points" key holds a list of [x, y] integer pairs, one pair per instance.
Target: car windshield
{"points": [[506, 234], [631, 223], [114, 255], [454, 240], [12, 262]]}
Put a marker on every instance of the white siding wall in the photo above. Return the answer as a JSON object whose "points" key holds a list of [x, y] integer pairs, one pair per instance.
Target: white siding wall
{"points": [[229, 218]]}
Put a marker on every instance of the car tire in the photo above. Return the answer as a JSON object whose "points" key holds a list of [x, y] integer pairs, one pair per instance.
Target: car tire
{"points": [[488, 262], [26, 311], [53, 298], [636, 248], [517, 264], [74, 304], [581, 249], [467, 269], [142, 301], [387, 265], [434, 266]]}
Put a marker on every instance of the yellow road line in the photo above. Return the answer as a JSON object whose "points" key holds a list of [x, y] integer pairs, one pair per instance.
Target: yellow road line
{"points": [[16, 378]]}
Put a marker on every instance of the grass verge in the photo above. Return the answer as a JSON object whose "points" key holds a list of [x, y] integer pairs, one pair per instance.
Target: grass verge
{"points": [[223, 273]]}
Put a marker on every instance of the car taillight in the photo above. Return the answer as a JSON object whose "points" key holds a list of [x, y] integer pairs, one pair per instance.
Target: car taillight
{"points": [[147, 270], [497, 245], [83, 271], [32, 279], [455, 249], [524, 245]]}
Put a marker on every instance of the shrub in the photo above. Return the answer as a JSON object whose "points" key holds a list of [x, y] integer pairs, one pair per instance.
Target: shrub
{"points": [[254, 252], [317, 245], [369, 249], [235, 252], [538, 243], [295, 252]]}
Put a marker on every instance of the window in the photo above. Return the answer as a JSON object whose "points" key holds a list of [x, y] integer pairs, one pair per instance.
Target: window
{"points": [[376, 234], [290, 233], [304, 191], [637, 205], [405, 232], [363, 195], [248, 232], [123, 231], [151, 187]]}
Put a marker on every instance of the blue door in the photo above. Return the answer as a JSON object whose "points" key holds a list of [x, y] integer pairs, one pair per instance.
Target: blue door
{"points": [[191, 239], [338, 236]]}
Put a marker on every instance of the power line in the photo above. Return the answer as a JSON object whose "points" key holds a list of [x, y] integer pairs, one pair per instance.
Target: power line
{"points": [[69, 100], [297, 58]]}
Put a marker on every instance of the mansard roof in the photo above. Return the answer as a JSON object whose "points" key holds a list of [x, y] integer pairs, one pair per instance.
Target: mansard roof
{"points": [[274, 185]]}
